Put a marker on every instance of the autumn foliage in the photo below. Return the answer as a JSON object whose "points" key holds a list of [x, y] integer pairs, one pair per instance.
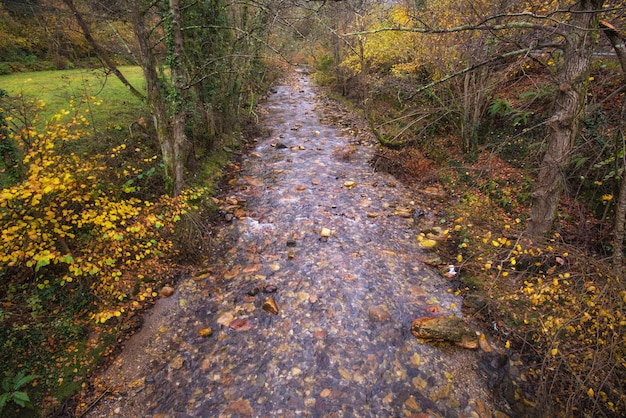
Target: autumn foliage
{"points": [[78, 218]]}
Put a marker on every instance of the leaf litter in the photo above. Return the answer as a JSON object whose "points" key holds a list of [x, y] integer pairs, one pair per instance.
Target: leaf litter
{"points": [[308, 311]]}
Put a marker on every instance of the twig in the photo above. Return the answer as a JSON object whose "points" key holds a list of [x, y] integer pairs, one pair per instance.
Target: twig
{"points": [[94, 403]]}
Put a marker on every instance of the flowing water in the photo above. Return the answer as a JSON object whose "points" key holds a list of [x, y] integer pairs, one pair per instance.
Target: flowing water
{"points": [[340, 344]]}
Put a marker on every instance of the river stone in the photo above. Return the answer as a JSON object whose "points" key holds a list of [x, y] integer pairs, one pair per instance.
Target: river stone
{"points": [[177, 362], [166, 291], [270, 306], [444, 329], [379, 313], [205, 332]]}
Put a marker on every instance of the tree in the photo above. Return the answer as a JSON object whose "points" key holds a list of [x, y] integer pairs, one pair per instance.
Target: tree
{"points": [[563, 125], [568, 29], [201, 58]]}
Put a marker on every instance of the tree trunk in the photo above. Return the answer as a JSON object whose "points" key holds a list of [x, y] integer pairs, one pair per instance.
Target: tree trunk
{"points": [[563, 125], [619, 45], [178, 115], [155, 98]]}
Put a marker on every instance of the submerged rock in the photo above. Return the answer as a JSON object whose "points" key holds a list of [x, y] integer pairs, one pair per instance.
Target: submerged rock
{"points": [[270, 306], [379, 313], [443, 329]]}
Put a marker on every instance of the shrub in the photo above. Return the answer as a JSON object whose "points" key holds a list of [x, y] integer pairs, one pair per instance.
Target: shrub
{"points": [[68, 221]]}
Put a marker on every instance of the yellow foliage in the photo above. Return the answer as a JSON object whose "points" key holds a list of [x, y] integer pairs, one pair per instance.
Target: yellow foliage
{"points": [[63, 223]]}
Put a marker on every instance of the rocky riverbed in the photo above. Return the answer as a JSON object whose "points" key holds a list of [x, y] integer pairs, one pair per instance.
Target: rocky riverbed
{"points": [[308, 311]]}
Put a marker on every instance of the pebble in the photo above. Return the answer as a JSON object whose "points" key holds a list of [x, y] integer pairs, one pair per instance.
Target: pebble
{"points": [[166, 291], [270, 306], [205, 332]]}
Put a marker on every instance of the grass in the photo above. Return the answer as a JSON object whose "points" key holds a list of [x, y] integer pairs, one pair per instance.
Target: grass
{"points": [[117, 109]]}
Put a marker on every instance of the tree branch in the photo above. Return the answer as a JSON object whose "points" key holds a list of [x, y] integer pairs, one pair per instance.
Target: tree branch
{"points": [[471, 68], [462, 28], [100, 52]]}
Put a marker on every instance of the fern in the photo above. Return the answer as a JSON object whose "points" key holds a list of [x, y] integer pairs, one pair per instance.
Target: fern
{"points": [[11, 387], [500, 107]]}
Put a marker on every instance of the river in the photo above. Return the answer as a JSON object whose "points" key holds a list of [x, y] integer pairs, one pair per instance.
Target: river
{"points": [[329, 240]]}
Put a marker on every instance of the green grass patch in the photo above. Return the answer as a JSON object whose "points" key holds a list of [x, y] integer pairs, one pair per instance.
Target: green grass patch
{"points": [[117, 107]]}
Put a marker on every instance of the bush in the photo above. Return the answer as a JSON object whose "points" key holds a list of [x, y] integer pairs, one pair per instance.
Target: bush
{"points": [[68, 221]]}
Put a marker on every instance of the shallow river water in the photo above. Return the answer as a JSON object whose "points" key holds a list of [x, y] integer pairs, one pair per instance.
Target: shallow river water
{"points": [[340, 344]]}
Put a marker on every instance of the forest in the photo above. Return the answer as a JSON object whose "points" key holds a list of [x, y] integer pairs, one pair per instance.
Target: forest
{"points": [[120, 120]]}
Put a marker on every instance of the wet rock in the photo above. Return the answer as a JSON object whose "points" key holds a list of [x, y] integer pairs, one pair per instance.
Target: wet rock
{"points": [[280, 145], [291, 242], [379, 313], [254, 291], [270, 288], [240, 407], [205, 332], [270, 306], [166, 291], [240, 324], [177, 363], [444, 329], [349, 184]]}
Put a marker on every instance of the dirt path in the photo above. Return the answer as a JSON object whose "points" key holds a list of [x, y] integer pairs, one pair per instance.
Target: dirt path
{"points": [[334, 245]]}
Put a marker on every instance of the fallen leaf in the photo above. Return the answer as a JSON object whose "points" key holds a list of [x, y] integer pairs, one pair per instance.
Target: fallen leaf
{"points": [[427, 243], [325, 232], [344, 373], [240, 407], [177, 363], [232, 273], [250, 269]]}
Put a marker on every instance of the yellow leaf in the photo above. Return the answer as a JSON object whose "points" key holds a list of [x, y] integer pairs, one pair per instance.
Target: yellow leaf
{"points": [[590, 392], [554, 351]]}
